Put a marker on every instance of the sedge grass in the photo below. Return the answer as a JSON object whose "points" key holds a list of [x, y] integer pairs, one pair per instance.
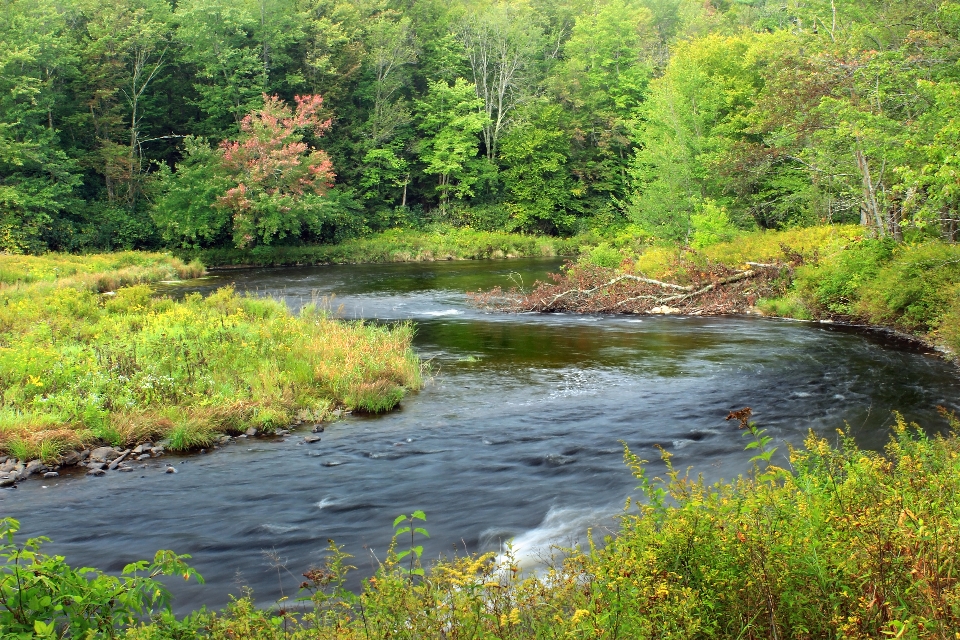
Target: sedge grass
{"points": [[80, 366]]}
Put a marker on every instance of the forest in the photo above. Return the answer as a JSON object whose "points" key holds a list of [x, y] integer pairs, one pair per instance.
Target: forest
{"points": [[144, 124]]}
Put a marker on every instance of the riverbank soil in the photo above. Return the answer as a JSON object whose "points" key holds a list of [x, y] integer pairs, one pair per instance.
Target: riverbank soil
{"points": [[89, 356]]}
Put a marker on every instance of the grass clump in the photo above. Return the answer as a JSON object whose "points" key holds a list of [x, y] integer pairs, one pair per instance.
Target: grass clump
{"points": [[79, 366], [847, 543], [399, 245]]}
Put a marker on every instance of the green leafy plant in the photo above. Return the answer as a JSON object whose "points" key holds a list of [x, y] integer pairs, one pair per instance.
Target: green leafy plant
{"points": [[41, 596], [404, 524]]}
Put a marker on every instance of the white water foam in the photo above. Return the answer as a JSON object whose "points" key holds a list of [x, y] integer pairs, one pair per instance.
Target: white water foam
{"points": [[278, 528], [447, 312], [326, 502], [562, 527]]}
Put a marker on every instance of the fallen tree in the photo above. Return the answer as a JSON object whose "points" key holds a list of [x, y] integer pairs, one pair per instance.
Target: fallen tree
{"points": [[579, 288]]}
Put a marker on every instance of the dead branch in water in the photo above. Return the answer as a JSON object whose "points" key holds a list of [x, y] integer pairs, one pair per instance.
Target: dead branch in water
{"points": [[588, 289]]}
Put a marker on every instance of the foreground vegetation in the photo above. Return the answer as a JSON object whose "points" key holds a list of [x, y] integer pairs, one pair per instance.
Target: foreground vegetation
{"points": [[845, 544], [89, 354], [443, 243]]}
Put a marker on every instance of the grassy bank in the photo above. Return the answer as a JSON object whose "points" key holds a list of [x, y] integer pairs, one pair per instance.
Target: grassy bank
{"points": [[88, 354], [398, 246], [826, 272], [846, 544]]}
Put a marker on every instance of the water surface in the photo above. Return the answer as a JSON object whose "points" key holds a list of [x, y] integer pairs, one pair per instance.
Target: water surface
{"points": [[515, 436]]}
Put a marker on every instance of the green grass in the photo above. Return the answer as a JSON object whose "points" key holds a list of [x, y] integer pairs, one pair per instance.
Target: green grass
{"points": [[399, 246], [84, 361]]}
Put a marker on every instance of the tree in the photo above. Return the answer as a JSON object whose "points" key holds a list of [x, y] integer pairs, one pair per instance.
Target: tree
{"points": [[450, 119], [277, 178], [602, 82], [37, 178], [535, 153], [500, 42]]}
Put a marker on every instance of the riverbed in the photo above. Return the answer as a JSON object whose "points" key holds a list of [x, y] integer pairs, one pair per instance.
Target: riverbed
{"points": [[515, 437]]}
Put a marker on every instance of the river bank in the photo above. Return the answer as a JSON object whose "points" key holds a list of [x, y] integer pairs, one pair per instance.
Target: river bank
{"points": [[833, 274], [842, 542], [90, 356], [398, 245]]}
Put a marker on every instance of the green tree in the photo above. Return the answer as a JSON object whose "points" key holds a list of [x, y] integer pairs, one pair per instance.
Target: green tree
{"points": [[541, 189], [450, 119], [37, 178]]}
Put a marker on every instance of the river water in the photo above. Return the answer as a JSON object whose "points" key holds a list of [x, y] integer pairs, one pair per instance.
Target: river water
{"points": [[516, 435]]}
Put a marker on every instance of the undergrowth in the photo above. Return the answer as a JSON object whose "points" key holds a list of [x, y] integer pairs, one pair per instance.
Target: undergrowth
{"points": [[399, 246], [79, 366], [844, 543]]}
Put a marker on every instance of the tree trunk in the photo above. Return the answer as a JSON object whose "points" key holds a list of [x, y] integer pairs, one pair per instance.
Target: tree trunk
{"points": [[870, 212]]}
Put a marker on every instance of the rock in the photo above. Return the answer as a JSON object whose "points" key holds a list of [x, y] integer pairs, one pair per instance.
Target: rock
{"points": [[3, 459], [310, 439], [138, 449], [51, 474], [117, 461], [143, 456], [125, 469], [664, 311], [157, 450], [104, 454], [8, 465], [282, 432], [85, 454], [170, 470], [251, 432], [317, 428], [7, 482], [96, 472], [241, 436], [202, 451], [32, 467], [96, 465], [70, 458]]}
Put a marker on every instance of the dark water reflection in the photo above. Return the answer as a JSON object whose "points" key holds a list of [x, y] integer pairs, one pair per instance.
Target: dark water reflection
{"points": [[516, 435]]}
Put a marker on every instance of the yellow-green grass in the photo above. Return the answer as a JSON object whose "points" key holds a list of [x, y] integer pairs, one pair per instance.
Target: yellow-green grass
{"points": [[82, 363], [841, 273], [399, 245]]}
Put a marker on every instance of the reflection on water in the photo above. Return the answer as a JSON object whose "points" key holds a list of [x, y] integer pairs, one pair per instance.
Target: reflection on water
{"points": [[516, 435]]}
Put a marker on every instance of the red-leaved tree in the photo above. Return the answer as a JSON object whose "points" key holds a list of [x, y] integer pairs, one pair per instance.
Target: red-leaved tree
{"points": [[279, 178]]}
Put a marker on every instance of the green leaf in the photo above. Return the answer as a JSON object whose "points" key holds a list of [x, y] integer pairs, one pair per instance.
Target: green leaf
{"points": [[398, 520], [422, 532], [419, 515]]}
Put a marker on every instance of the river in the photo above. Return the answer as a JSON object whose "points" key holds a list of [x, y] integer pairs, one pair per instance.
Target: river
{"points": [[516, 435]]}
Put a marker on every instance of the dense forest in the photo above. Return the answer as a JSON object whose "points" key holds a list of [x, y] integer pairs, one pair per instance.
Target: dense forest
{"points": [[214, 123]]}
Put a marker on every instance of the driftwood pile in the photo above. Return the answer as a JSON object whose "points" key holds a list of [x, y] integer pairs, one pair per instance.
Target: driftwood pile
{"points": [[714, 290]]}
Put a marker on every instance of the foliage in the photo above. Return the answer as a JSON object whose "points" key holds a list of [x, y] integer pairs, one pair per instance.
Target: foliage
{"points": [[41, 596], [275, 177], [82, 360]]}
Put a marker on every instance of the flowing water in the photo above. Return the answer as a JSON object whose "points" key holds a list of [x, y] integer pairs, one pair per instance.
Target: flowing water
{"points": [[516, 435]]}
